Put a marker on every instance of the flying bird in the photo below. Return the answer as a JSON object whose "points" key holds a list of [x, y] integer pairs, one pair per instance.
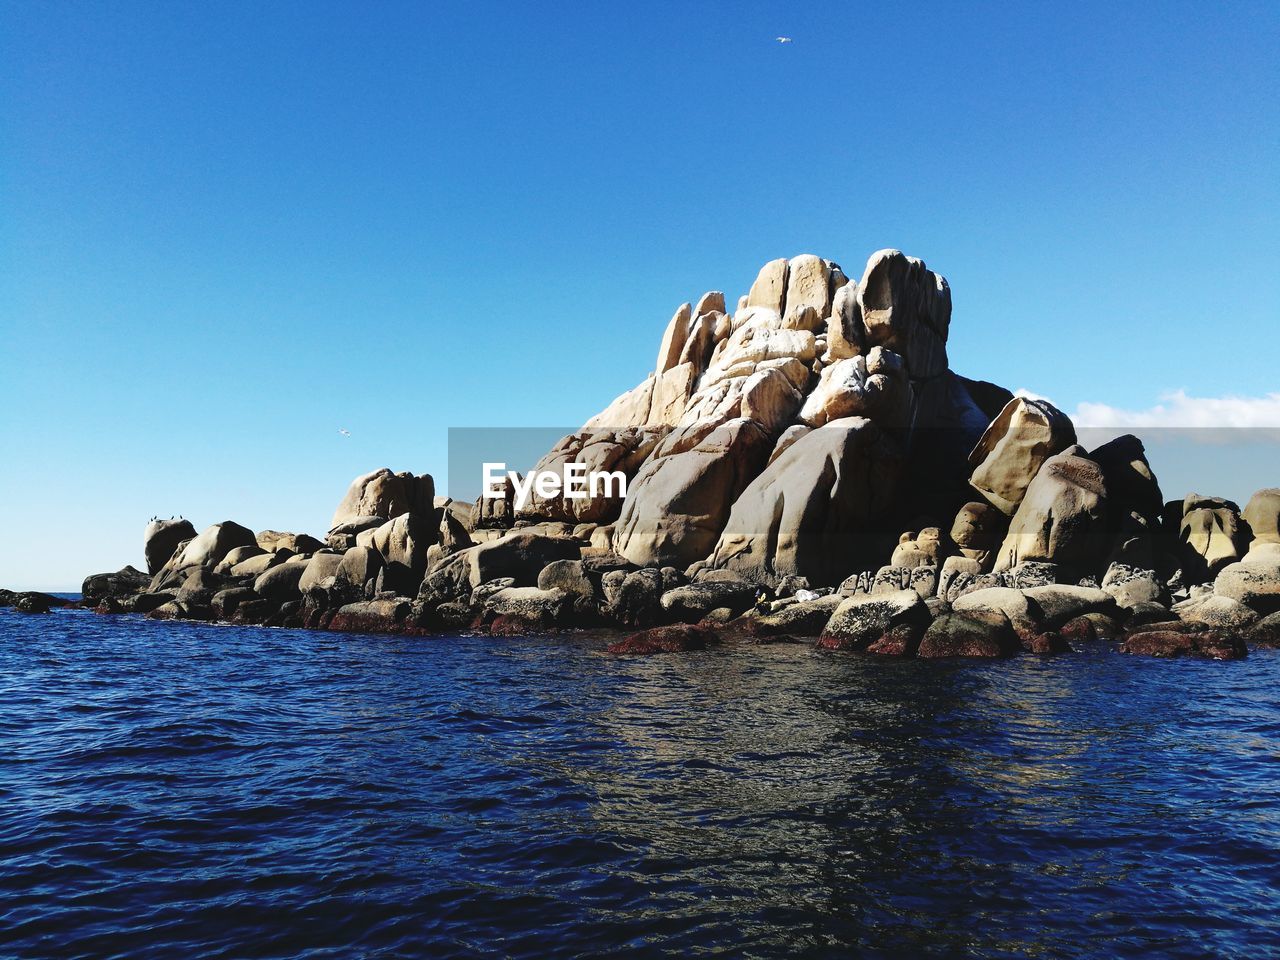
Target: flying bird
{"points": [[345, 432], [785, 40]]}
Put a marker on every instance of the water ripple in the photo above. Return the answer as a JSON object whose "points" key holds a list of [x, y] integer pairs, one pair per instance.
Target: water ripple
{"points": [[183, 789]]}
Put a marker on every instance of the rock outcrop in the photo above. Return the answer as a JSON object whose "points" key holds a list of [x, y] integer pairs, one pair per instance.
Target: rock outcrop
{"points": [[804, 464]]}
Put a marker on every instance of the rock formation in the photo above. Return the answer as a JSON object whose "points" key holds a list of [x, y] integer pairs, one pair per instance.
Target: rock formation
{"points": [[805, 465]]}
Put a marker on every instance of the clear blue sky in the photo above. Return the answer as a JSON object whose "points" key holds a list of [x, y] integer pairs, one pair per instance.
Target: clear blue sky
{"points": [[228, 229]]}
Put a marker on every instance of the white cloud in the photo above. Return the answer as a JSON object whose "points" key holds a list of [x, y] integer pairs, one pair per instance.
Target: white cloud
{"points": [[1179, 410]]}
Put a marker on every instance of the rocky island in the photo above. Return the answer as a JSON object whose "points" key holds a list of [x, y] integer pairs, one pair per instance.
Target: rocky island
{"points": [[805, 465]]}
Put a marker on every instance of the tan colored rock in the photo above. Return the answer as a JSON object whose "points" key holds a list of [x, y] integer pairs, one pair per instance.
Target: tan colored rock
{"points": [[770, 287], [906, 308], [599, 451], [978, 531], [678, 504], [923, 549], [161, 540], [808, 291], [1255, 583], [1262, 513], [874, 386], [1026, 433], [788, 437], [846, 336], [382, 493], [630, 409], [674, 338], [1210, 535], [1061, 517]]}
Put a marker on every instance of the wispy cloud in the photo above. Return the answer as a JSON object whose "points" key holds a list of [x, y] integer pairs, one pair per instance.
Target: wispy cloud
{"points": [[1180, 410]]}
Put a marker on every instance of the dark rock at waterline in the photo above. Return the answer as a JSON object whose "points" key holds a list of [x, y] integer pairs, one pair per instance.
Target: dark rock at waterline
{"points": [[901, 640], [1207, 644], [122, 583], [675, 638], [955, 635], [1266, 632]]}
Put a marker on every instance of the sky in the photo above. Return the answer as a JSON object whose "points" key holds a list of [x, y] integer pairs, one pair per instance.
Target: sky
{"points": [[229, 230]]}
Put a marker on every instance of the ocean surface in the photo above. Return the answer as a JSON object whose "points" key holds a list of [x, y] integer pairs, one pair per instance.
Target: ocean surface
{"points": [[176, 790]]}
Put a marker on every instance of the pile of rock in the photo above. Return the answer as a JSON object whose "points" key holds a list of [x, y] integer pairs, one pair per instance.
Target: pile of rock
{"points": [[805, 466]]}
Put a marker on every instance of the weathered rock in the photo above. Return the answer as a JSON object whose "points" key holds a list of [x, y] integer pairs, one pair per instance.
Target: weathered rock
{"points": [[1130, 483], [859, 621], [637, 602], [123, 583], [1210, 536], [955, 635], [900, 640], [677, 505], [674, 339], [383, 615], [906, 308], [319, 568], [676, 638], [569, 576], [1014, 448], [1061, 515], [1262, 513], [531, 606], [770, 287], [225, 602], [874, 386], [1209, 645], [978, 531], [808, 513], [1001, 606], [806, 618], [1131, 586], [384, 494], [281, 583], [1254, 583], [1266, 632], [1058, 603], [273, 540], [357, 572], [808, 291], [161, 540], [239, 555], [204, 551], [919, 549], [1219, 613], [694, 601]]}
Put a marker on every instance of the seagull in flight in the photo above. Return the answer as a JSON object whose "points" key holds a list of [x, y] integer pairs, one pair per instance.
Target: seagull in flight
{"points": [[344, 431], [785, 40]]}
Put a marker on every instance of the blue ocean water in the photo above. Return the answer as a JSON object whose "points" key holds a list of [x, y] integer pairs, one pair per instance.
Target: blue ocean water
{"points": [[190, 790]]}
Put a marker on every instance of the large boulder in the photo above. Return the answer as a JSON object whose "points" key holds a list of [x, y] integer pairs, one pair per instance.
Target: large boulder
{"points": [[1217, 613], [122, 583], [1255, 583], [810, 512], [281, 583], [804, 618], [203, 552], [906, 308], [1210, 535], [1061, 516], [693, 601], [384, 494], [955, 635], [978, 531], [161, 540], [1262, 513], [874, 386], [861, 620], [677, 504], [1009, 455]]}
